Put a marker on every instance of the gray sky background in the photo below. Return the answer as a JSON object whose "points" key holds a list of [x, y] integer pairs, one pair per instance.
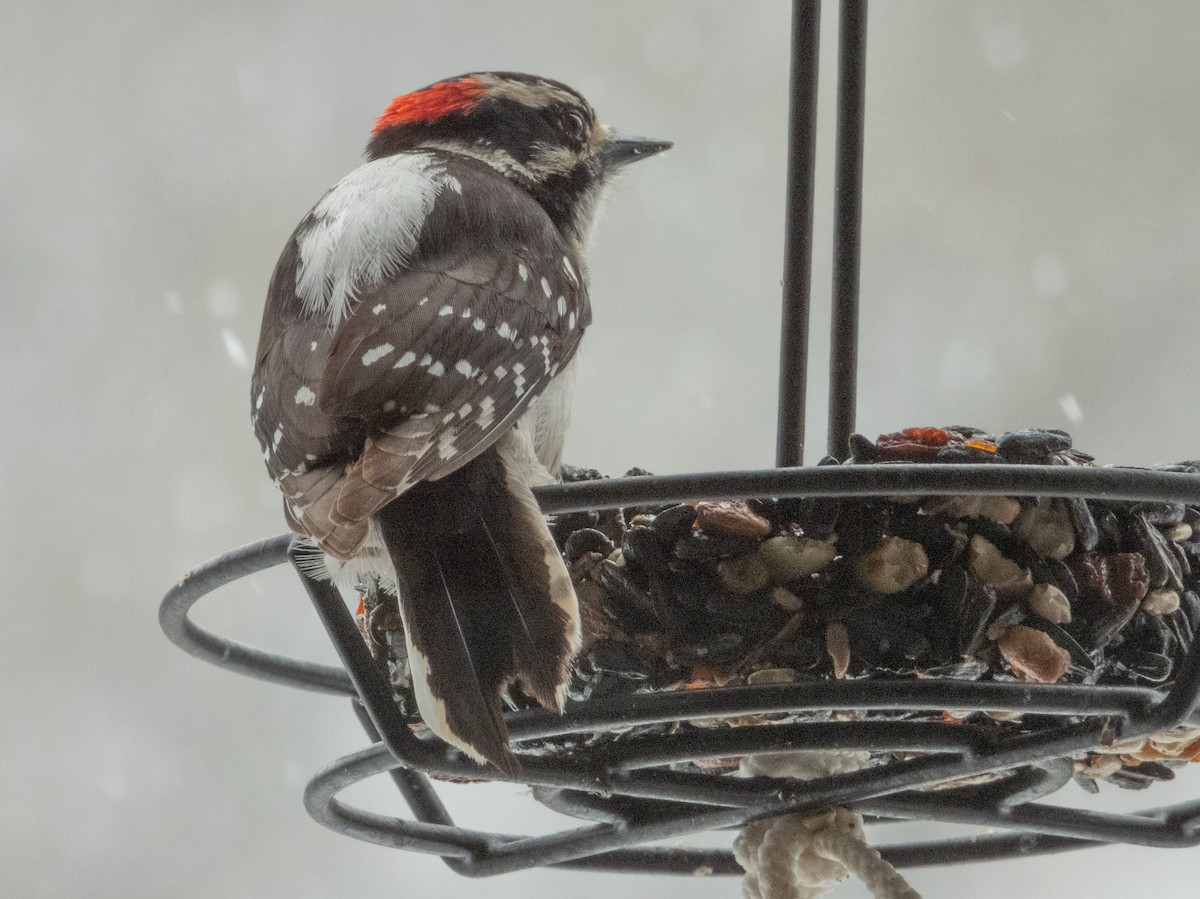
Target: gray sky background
{"points": [[1031, 224]]}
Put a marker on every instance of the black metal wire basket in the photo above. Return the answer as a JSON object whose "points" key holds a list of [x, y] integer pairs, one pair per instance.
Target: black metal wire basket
{"points": [[633, 791]]}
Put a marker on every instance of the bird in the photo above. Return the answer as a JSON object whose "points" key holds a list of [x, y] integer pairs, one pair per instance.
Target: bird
{"points": [[413, 381]]}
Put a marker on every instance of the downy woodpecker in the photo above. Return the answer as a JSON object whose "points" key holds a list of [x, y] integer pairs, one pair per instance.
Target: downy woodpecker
{"points": [[413, 381]]}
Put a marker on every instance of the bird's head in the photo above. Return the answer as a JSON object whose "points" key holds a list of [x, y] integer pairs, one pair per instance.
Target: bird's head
{"points": [[538, 133]]}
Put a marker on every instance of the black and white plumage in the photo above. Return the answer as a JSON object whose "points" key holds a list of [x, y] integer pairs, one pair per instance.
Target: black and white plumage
{"points": [[413, 379]]}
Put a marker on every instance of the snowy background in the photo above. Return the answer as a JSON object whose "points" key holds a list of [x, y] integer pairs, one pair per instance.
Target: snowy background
{"points": [[1032, 217]]}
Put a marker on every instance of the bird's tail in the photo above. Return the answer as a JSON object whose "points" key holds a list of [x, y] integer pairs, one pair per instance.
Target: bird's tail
{"points": [[486, 602]]}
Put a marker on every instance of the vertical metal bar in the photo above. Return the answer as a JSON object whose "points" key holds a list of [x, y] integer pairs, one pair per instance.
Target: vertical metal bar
{"points": [[847, 222], [413, 785], [418, 792], [372, 688], [798, 224]]}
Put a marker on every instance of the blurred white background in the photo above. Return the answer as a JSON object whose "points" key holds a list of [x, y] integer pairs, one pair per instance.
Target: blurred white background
{"points": [[1032, 217]]}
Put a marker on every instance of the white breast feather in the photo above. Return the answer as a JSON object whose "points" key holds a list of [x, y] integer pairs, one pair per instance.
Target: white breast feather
{"points": [[535, 443]]}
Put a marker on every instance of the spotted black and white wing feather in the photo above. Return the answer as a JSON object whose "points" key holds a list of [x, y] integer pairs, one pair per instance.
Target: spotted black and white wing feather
{"points": [[450, 373]]}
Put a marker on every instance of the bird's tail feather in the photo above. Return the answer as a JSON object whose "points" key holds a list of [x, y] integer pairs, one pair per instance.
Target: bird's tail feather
{"points": [[486, 602]]}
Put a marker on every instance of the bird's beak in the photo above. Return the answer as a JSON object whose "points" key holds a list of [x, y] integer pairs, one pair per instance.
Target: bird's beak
{"points": [[621, 149]]}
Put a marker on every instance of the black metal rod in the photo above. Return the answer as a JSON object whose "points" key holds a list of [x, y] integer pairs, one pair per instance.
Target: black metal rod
{"points": [[798, 228], [895, 736], [1022, 844], [847, 223], [416, 790], [660, 860], [932, 694], [892, 479], [416, 836], [991, 847], [373, 689], [414, 786], [1027, 785], [1136, 830], [229, 654]]}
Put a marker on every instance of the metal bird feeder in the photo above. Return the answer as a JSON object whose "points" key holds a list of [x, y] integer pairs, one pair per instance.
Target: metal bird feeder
{"points": [[641, 789]]}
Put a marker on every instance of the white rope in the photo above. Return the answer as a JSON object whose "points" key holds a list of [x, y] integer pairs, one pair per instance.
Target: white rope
{"points": [[798, 857]]}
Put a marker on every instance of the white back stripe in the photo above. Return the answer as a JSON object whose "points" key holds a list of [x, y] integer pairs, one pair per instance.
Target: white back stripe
{"points": [[364, 230]]}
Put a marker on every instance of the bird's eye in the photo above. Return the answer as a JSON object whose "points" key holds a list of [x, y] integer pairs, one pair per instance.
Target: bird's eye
{"points": [[574, 126]]}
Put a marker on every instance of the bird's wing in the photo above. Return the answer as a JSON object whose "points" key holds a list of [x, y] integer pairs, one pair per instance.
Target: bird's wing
{"points": [[429, 367], [481, 343]]}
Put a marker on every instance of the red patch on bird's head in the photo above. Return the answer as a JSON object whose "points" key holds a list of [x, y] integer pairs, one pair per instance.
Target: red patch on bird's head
{"points": [[432, 102]]}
